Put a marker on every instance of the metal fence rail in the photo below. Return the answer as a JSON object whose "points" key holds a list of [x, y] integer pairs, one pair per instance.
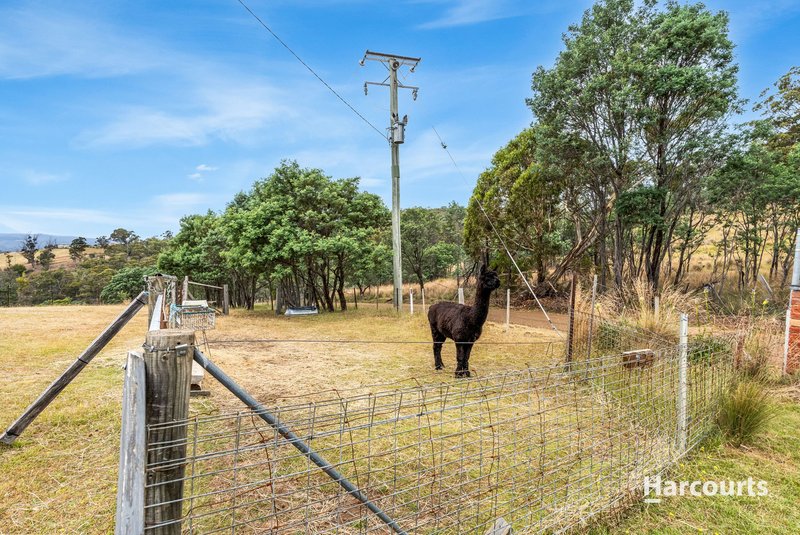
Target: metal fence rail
{"points": [[545, 448]]}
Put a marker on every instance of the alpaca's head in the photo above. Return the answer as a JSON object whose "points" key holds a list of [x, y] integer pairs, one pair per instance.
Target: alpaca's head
{"points": [[488, 278]]}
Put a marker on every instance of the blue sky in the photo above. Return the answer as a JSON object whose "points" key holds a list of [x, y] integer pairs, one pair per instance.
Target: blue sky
{"points": [[117, 113]]}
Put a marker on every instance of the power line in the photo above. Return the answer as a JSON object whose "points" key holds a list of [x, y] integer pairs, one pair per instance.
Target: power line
{"points": [[332, 90], [499, 237], [444, 146]]}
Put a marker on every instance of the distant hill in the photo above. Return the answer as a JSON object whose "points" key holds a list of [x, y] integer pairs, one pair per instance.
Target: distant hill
{"points": [[10, 242]]}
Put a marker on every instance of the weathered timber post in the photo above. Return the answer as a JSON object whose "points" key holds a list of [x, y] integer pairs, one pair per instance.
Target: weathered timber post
{"points": [[571, 333], [185, 292], [132, 450], [508, 308], [61, 383], [168, 369], [591, 322], [226, 300], [156, 284]]}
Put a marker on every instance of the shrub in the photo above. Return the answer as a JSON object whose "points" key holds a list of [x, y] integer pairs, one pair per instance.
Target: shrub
{"points": [[705, 347], [126, 284], [744, 412]]}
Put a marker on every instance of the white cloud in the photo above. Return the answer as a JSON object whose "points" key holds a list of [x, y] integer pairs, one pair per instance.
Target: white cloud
{"points": [[200, 170], [45, 42], [162, 212], [467, 12], [214, 105], [181, 200], [37, 178], [56, 221]]}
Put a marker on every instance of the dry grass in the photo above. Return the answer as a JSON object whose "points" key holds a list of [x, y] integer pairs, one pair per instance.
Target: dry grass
{"points": [[61, 474], [277, 371], [635, 304], [61, 259]]}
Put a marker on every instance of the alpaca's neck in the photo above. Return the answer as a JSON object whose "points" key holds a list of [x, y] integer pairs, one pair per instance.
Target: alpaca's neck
{"points": [[481, 306]]}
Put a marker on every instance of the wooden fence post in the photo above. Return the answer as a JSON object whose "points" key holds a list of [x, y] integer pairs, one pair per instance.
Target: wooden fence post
{"points": [[168, 369], [185, 292], [591, 323], [226, 300], [508, 308], [156, 286], [571, 332], [132, 450]]}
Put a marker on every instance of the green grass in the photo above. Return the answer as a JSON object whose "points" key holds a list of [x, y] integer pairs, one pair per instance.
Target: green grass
{"points": [[773, 457]]}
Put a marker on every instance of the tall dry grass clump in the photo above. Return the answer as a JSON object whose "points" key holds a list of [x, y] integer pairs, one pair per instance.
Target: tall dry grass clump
{"points": [[635, 304], [762, 357], [745, 412]]}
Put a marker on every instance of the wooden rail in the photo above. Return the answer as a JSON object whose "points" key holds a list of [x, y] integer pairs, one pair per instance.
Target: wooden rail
{"points": [[66, 378], [226, 300]]}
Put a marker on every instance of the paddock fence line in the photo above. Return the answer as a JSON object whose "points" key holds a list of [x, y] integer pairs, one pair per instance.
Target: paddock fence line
{"points": [[545, 448]]}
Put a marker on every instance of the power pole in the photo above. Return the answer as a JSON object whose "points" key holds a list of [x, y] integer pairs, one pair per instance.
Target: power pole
{"points": [[393, 63]]}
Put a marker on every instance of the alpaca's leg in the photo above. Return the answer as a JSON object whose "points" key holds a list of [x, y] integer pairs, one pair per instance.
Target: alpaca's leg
{"points": [[465, 359], [438, 341], [462, 355]]}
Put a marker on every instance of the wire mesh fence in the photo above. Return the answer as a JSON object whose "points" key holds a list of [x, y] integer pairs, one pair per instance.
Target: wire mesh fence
{"points": [[545, 448]]}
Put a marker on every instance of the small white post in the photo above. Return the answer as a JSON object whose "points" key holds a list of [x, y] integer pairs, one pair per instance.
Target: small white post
{"points": [[796, 267], [461, 296], [786, 340], [508, 308], [423, 300], [411, 300], [683, 365]]}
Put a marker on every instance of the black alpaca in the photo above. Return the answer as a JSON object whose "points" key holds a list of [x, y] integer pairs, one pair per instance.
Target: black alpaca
{"points": [[462, 323]]}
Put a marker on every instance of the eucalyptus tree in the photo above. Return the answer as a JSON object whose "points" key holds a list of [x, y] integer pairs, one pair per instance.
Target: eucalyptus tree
{"points": [[686, 79], [589, 98], [781, 110], [524, 205], [643, 93]]}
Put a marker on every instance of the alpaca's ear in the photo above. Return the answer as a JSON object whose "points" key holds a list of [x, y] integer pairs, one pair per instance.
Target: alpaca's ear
{"points": [[483, 269]]}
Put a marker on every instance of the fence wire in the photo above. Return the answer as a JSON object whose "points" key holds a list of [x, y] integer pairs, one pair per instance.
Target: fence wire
{"points": [[545, 448]]}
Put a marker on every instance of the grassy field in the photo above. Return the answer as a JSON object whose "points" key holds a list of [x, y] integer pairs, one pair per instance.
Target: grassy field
{"points": [[60, 476]]}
